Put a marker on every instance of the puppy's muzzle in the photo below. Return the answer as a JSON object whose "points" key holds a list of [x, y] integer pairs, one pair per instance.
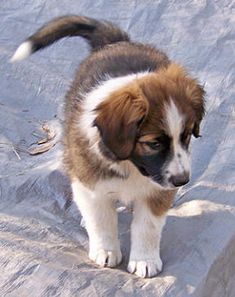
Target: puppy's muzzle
{"points": [[179, 179]]}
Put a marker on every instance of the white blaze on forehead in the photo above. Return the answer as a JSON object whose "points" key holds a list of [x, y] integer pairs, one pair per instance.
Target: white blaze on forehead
{"points": [[175, 120], [175, 125]]}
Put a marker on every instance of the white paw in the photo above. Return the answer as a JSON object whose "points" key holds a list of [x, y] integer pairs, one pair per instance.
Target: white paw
{"points": [[105, 258], [146, 268]]}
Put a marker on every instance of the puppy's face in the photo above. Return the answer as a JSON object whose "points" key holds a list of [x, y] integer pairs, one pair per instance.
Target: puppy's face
{"points": [[163, 154], [150, 122]]}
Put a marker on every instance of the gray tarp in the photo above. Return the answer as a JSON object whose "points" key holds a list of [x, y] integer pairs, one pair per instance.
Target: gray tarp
{"points": [[42, 245]]}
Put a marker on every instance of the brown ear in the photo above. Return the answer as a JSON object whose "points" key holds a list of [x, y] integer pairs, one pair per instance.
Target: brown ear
{"points": [[118, 119], [193, 90], [196, 93]]}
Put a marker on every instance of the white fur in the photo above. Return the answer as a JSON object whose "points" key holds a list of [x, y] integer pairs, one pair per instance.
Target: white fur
{"points": [[146, 232], [175, 122], [135, 187], [101, 223], [98, 211], [22, 52], [97, 205]]}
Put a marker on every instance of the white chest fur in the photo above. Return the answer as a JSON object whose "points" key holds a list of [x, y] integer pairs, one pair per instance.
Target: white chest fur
{"points": [[135, 187]]}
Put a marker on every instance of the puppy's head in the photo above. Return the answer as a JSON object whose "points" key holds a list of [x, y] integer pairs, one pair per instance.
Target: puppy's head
{"points": [[150, 122]]}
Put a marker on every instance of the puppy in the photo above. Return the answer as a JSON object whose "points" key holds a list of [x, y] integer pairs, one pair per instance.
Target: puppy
{"points": [[129, 117]]}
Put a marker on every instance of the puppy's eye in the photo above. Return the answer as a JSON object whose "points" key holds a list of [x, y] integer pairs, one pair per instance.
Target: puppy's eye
{"points": [[155, 145]]}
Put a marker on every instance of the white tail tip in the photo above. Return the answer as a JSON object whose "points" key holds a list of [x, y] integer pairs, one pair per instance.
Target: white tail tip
{"points": [[22, 52]]}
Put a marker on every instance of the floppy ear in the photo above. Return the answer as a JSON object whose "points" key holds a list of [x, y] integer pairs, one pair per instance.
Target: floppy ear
{"points": [[119, 118], [193, 90], [196, 93]]}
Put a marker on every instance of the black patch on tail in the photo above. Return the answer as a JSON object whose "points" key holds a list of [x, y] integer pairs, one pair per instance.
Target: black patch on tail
{"points": [[97, 33]]}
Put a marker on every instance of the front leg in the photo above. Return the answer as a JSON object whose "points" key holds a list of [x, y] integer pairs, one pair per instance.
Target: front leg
{"points": [[100, 218], [146, 232]]}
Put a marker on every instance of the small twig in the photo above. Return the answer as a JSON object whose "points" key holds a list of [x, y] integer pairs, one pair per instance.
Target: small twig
{"points": [[36, 135], [17, 155], [13, 147], [44, 144]]}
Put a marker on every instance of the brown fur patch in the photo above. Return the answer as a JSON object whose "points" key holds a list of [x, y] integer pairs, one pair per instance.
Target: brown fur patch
{"points": [[192, 90], [118, 119], [79, 160], [172, 83], [138, 110], [160, 202], [116, 60], [121, 119]]}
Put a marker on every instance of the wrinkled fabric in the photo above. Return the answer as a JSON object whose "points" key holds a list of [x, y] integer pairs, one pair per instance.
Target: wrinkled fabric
{"points": [[43, 247]]}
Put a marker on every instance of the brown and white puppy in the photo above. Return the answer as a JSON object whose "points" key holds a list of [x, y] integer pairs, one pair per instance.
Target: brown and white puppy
{"points": [[129, 118]]}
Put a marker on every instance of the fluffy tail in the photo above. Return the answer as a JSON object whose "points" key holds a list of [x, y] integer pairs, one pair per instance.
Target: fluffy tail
{"points": [[97, 33]]}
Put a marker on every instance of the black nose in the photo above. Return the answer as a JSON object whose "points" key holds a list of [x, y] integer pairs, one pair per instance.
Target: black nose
{"points": [[180, 179]]}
